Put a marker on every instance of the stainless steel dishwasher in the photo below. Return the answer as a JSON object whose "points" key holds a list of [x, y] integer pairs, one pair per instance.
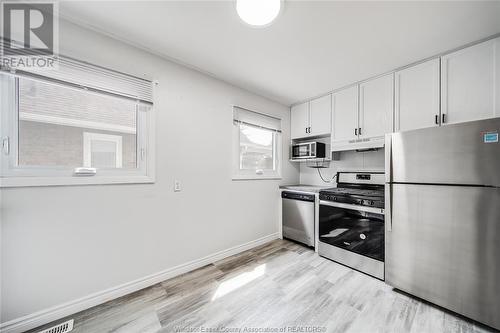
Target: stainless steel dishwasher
{"points": [[298, 216]]}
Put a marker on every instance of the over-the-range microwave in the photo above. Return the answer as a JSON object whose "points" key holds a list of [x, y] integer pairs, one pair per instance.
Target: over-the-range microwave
{"points": [[308, 150]]}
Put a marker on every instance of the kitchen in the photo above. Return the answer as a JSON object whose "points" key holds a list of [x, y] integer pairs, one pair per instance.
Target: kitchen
{"points": [[351, 171], [439, 176]]}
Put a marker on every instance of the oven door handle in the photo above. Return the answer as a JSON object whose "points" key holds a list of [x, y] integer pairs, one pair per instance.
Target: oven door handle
{"points": [[352, 207]]}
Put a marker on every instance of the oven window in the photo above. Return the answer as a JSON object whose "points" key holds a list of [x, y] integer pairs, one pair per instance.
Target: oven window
{"points": [[353, 230]]}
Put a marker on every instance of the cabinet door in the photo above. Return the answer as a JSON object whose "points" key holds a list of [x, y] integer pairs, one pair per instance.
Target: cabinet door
{"points": [[345, 115], [299, 121], [376, 106], [321, 115], [417, 96], [471, 83]]}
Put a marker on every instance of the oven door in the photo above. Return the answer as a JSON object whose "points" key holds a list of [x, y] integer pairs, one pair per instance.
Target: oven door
{"points": [[352, 235], [353, 228], [303, 150]]}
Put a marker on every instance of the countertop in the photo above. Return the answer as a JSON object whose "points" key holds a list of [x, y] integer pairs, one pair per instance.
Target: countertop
{"points": [[305, 188]]}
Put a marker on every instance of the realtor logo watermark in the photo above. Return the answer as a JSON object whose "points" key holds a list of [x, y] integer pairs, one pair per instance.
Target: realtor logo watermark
{"points": [[29, 35]]}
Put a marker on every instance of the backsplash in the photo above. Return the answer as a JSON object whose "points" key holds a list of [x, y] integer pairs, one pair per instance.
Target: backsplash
{"points": [[349, 161]]}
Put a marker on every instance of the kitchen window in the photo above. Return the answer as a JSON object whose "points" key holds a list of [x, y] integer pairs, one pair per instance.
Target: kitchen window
{"points": [[257, 148], [81, 125]]}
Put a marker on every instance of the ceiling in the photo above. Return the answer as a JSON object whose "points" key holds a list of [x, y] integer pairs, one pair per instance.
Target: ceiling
{"points": [[312, 48]]}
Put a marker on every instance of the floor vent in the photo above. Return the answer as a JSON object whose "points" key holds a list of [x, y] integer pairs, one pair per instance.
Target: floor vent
{"points": [[67, 326]]}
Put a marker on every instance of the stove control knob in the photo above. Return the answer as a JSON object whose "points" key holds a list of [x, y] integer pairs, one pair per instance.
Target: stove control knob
{"points": [[334, 198]]}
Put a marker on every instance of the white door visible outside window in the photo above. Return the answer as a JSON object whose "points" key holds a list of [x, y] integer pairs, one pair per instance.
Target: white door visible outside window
{"points": [[102, 150]]}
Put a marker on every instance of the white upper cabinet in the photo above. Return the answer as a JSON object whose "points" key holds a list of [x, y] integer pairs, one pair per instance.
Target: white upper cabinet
{"points": [[312, 118], [320, 116], [417, 96], [458, 87], [470, 83], [344, 116], [299, 121], [376, 100]]}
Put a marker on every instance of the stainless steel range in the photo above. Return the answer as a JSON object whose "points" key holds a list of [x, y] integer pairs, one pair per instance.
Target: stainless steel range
{"points": [[351, 222]]}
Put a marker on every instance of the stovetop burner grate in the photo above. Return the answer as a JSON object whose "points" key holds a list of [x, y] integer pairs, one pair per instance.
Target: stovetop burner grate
{"points": [[353, 192]]}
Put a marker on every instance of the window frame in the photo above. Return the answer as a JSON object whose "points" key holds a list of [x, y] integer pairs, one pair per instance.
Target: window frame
{"points": [[13, 175], [242, 174]]}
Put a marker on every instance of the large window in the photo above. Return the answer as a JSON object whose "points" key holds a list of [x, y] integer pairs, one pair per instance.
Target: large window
{"points": [[55, 133], [257, 145]]}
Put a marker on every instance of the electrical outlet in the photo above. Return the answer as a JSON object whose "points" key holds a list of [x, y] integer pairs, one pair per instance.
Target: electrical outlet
{"points": [[177, 186]]}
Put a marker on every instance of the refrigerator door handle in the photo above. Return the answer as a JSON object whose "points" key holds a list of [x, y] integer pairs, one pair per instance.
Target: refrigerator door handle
{"points": [[388, 158], [388, 207], [388, 180]]}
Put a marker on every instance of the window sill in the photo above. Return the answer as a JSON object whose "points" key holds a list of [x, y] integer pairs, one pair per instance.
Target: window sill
{"points": [[249, 177], [71, 181]]}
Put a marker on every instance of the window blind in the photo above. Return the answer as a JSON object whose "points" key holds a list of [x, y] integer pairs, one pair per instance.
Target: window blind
{"points": [[91, 77], [244, 116]]}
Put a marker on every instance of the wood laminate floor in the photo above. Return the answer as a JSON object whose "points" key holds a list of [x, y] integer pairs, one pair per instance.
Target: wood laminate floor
{"points": [[280, 286]]}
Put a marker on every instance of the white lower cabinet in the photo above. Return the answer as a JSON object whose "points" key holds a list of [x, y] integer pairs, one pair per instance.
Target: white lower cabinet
{"points": [[376, 107], [470, 83], [417, 96]]}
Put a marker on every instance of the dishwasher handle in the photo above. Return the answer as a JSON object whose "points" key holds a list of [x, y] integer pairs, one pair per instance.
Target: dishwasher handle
{"points": [[298, 196]]}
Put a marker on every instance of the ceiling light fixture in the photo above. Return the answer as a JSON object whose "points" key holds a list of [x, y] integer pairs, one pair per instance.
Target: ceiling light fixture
{"points": [[258, 12]]}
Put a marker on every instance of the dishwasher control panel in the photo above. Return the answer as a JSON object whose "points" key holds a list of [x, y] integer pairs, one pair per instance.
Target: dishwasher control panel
{"points": [[297, 196]]}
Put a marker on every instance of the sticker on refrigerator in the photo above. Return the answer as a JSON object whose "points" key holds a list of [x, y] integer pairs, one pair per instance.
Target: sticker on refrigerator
{"points": [[490, 137]]}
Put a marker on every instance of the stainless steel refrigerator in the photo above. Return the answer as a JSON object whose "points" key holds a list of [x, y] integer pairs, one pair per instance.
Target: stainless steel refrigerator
{"points": [[443, 217]]}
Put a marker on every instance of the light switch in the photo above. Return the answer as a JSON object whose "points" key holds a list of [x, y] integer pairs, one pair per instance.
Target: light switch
{"points": [[177, 186]]}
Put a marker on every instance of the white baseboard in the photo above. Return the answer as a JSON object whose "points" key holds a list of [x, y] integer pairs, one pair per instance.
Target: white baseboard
{"points": [[66, 309]]}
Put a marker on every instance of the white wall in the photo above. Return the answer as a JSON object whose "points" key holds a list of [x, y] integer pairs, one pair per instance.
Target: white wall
{"points": [[62, 243], [349, 161]]}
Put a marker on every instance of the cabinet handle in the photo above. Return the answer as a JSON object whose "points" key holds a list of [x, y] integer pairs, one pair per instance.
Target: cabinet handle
{"points": [[356, 131], [306, 129], [309, 130], [436, 119], [443, 119], [359, 131]]}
